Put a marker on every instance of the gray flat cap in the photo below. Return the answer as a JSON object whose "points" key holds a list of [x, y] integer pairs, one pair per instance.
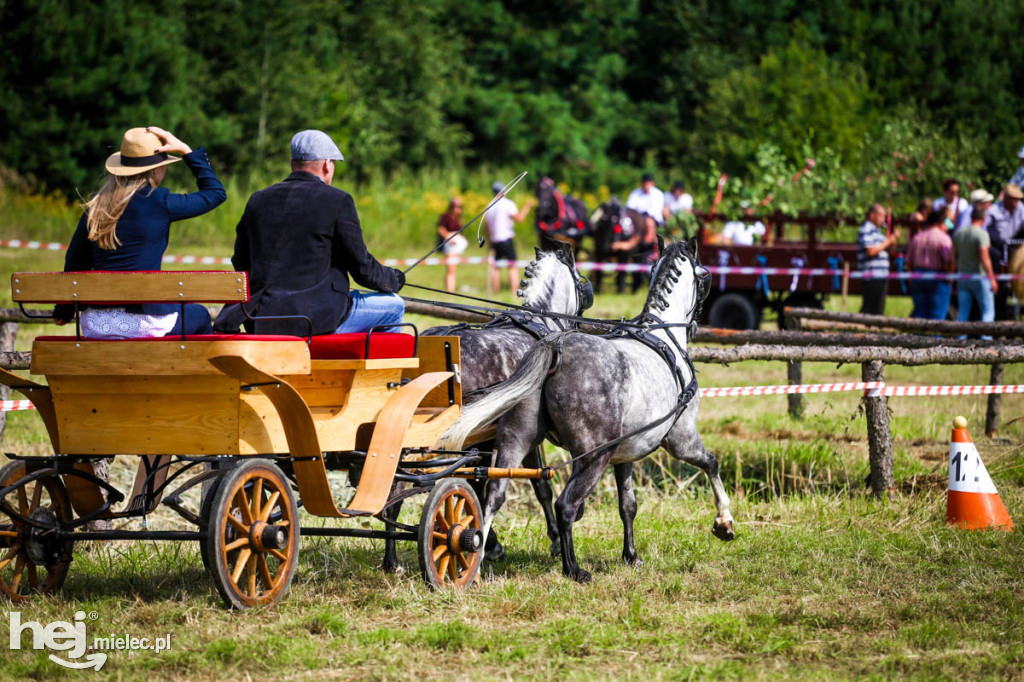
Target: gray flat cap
{"points": [[313, 145]]}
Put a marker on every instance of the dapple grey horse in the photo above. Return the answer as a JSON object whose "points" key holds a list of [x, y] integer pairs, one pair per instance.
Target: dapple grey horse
{"points": [[610, 400], [491, 352]]}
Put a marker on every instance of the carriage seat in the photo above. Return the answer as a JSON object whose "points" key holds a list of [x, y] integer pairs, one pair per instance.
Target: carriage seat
{"points": [[325, 347]]}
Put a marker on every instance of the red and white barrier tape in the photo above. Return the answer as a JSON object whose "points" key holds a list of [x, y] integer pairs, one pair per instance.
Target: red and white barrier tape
{"points": [[870, 388], [587, 266]]}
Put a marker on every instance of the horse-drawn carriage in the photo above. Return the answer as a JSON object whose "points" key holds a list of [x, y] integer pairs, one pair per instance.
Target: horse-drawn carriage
{"points": [[256, 421]]}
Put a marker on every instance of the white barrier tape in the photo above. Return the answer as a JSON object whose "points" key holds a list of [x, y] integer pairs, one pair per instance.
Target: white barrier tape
{"points": [[585, 266], [870, 389], [16, 405]]}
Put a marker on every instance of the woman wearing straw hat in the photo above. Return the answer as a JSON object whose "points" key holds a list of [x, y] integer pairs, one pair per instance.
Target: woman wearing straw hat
{"points": [[126, 226]]}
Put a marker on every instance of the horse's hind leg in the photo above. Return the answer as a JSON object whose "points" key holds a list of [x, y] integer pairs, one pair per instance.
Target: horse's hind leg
{"points": [[627, 511], [685, 443], [542, 489], [584, 479]]}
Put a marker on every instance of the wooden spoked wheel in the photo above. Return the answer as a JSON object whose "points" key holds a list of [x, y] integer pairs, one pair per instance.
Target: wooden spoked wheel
{"points": [[32, 560], [450, 537], [253, 535]]}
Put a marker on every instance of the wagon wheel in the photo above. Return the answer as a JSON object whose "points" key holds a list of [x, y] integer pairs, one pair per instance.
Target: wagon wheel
{"points": [[450, 538], [205, 509], [253, 535], [31, 560]]}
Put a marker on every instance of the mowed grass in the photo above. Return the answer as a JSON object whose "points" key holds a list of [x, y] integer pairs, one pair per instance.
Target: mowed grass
{"points": [[822, 581]]}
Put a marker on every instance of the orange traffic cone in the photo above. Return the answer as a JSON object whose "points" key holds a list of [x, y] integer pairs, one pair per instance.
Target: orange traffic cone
{"points": [[971, 499]]}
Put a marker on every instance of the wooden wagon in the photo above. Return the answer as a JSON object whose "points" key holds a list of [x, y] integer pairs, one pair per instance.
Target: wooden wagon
{"points": [[257, 421]]}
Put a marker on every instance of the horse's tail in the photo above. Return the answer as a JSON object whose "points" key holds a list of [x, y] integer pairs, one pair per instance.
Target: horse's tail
{"points": [[1017, 268], [498, 399]]}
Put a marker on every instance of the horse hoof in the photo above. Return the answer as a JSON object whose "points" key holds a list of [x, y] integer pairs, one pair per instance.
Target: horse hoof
{"points": [[496, 553], [394, 569], [581, 576], [723, 531], [633, 561], [556, 548]]}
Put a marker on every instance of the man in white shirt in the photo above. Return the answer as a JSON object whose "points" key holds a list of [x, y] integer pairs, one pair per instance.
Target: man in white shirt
{"points": [[678, 200], [741, 232], [648, 200], [501, 220], [958, 209]]}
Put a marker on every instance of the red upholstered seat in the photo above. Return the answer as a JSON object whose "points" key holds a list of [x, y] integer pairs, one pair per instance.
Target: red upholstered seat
{"points": [[353, 346], [326, 347]]}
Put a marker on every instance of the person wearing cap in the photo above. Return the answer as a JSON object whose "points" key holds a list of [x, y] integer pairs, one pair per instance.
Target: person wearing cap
{"points": [[971, 249], [957, 208], [126, 226], [648, 200], [501, 220], [931, 251], [982, 199], [1004, 222], [300, 240], [1018, 176]]}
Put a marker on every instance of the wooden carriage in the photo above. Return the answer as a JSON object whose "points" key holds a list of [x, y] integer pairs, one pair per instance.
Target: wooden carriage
{"points": [[256, 419]]}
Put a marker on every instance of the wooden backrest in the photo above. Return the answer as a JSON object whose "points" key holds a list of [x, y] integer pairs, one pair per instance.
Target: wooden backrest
{"points": [[130, 287]]}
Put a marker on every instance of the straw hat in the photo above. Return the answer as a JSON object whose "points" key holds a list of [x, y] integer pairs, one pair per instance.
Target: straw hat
{"points": [[138, 154]]}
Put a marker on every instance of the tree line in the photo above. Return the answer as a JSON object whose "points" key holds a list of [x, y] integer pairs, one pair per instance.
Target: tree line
{"points": [[886, 97]]}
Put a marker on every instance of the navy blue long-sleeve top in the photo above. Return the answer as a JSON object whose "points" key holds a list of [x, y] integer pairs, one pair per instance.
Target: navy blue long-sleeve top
{"points": [[144, 227]]}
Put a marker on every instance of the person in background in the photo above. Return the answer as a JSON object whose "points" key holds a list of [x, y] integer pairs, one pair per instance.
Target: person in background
{"points": [[956, 207], [924, 207], [126, 227], [744, 232], [1018, 176], [678, 200], [981, 199], [649, 201], [971, 249], [501, 220], [448, 226], [931, 251], [300, 239], [1004, 222], [873, 260]]}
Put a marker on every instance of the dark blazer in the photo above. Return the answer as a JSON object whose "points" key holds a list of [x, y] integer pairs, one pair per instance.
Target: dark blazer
{"points": [[145, 227], [299, 240]]}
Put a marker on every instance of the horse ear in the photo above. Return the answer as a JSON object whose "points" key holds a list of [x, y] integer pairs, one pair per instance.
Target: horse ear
{"points": [[661, 244], [692, 244], [567, 253]]}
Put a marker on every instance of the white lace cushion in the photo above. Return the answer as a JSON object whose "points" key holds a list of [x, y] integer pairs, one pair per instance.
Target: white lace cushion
{"points": [[115, 323]]}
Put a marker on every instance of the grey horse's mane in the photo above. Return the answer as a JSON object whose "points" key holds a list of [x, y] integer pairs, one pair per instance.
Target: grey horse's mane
{"points": [[539, 284], [669, 269]]}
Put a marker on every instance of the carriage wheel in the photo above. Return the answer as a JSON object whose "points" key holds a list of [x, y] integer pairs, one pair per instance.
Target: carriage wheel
{"points": [[253, 535], [450, 539], [31, 561], [205, 508]]}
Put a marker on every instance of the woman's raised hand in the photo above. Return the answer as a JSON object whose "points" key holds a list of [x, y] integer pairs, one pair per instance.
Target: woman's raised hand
{"points": [[171, 143]]}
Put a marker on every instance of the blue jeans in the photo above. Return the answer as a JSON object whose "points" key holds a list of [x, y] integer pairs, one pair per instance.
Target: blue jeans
{"points": [[977, 290], [371, 309], [931, 298]]}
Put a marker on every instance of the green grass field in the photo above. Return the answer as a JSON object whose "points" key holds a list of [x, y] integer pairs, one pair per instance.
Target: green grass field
{"points": [[821, 582]]}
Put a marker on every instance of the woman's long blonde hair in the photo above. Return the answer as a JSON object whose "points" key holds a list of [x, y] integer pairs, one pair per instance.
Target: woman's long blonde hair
{"points": [[105, 208]]}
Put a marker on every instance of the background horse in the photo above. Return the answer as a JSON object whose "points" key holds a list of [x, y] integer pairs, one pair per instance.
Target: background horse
{"points": [[613, 224], [560, 218], [491, 352], [610, 400]]}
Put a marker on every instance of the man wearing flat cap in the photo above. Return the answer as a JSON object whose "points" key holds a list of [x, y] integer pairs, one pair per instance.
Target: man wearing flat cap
{"points": [[1004, 222], [300, 240]]}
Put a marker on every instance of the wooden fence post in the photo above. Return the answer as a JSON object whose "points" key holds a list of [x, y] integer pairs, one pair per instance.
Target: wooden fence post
{"points": [[995, 402], [876, 409], [8, 335], [795, 375]]}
